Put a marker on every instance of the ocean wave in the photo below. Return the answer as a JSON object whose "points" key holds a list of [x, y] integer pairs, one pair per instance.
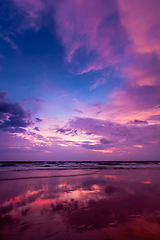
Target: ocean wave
{"points": [[75, 165]]}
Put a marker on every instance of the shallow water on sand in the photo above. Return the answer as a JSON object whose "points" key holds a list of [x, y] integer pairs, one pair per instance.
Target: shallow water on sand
{"points": [[80, 204]]}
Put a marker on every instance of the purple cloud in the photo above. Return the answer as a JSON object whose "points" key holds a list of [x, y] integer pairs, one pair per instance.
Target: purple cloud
{"points": [[13, 117], [15, 130], [37, 100], [143, 69], [7, 38], [136, 98], [67, 131], [92, 26], [119, 135], [39, 120], [33, 12], [36, 128], [138, 122], [154, 117], [99, 127], [105, 141], [3, 95], [93, 146], [62, 130], [99, 82], [143, 31], [78, 111]]}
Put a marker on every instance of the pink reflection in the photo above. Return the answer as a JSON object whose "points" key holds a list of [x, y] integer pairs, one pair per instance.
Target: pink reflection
{"points": [[112, 177], [147, 182], [82, 207]]}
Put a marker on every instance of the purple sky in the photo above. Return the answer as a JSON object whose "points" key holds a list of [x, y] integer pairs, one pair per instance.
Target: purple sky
{"points": [[79, 80]]}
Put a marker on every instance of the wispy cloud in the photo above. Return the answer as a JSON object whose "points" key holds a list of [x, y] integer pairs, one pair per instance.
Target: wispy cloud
{"points": [[7, 38], [99, 82]]}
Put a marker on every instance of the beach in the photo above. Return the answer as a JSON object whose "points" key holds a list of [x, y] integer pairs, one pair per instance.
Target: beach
{"points": [[72, 203]]}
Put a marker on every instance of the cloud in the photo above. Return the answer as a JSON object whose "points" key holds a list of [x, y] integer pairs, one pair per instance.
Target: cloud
{"points": [[33, 13], [67, 131], [143, 69], [78, 111], [104, 141], [138, 122], [62, 130], [5, 36], [3, 95], [39, 120], [36, 128], [99, 82], [15, 130], [136, 98], [93, 146], [99, 34], [141, 22], [37, 100], [99, 127], [13, 117], [91, 29], [120, 135], [154, 117]]}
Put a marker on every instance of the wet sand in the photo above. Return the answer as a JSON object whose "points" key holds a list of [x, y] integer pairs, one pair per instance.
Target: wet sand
{"points": [[80, 204]]}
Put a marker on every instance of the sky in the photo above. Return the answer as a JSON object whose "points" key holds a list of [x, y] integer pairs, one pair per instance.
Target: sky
{"points": [[80, 80]]}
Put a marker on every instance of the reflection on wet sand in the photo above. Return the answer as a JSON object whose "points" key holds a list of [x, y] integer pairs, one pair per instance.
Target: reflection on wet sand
{"points": [[110, 204]]}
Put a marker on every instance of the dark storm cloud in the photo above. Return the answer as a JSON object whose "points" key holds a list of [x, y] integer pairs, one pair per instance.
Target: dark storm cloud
{"points": [[13, 117]]}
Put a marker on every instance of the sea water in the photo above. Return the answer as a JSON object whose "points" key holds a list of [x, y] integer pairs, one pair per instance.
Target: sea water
{"points": [[80, 200]]}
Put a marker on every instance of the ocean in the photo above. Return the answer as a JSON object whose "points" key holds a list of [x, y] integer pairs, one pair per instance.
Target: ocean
{"points": [[96, 200]]}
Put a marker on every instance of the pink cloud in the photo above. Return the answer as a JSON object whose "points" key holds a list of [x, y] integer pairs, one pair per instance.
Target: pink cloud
{"points": [[32, 11], [143, 69], [136, 98], [141, 21], [111, 32], [127, 104], [79, 111], [52, 88], [3, 95], [154, 117], [37, 100], [118, 134], [96, 27], [92, 25], [7, 38], [99, 82]]}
